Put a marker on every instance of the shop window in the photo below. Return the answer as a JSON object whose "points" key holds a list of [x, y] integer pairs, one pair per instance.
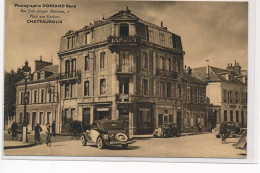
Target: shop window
{"points": [[124, 29], [225, 115], [145, 118], [102, 86], [145, 87], [231, 116], [165, 119], [86, 88], [237, 116]]}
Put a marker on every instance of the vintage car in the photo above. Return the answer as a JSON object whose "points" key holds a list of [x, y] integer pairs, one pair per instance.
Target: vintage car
{"points": [[106, 133], [167, 131], [231, 129]]}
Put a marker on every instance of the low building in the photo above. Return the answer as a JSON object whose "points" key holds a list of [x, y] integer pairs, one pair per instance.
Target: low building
{"points": [[194, 103], [42, 94], [227, 91]]}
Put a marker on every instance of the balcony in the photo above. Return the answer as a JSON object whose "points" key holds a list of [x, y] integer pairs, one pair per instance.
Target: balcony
{"points": [[123, 40], [166, 73], [123, 98], [124, 69], [71, 75]]}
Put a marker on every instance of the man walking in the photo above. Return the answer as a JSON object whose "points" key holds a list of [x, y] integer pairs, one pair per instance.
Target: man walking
{"points": [[37, 131], [223, 132]]}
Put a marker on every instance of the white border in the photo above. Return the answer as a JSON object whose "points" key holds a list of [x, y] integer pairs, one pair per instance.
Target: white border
{"points": [[253, 111]]}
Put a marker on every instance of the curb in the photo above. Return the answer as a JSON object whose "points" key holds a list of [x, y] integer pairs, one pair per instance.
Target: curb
{"points": [[19, 146]]}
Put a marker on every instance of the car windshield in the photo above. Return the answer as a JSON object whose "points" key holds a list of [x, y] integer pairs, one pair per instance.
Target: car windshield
{"points": [[112, 126]]}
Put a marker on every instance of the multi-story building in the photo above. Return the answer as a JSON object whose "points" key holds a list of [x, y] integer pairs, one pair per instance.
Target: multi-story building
{"points": [[194, 102], [227, 91], [42, 96], [124, 68]]}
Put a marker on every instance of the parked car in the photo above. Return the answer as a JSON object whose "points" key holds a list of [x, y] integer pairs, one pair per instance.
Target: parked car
{"points": [[167, 131], [231, 129], [106, 133]]}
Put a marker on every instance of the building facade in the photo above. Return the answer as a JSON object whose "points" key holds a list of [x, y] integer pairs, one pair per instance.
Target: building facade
{"points": [[194, 102], [42, 96], [227, 91], [121, 68]]}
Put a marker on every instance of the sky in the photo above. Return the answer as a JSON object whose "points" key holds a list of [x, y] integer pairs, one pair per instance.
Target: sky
{"points": [[214, 31]]}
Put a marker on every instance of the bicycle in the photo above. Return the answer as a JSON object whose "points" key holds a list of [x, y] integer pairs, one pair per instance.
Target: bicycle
{"points": [[48, 140]]}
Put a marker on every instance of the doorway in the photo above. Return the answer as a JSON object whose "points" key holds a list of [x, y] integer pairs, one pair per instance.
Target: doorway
{"points": [[86, 119], [33, 120], [124, 117], [179, 119]]}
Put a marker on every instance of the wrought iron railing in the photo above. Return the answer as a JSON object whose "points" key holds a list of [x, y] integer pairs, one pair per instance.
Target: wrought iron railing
{"points": [[124, 68], [123, 40], [70, 75], [166, 73]]}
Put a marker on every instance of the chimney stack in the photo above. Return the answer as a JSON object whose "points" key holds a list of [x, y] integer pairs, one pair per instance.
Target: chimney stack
{"points": [[162, 24]]}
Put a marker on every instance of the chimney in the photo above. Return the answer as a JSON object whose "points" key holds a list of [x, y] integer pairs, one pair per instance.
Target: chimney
{"points": [[39, 64], [189, 71], [162, 24], [236, 68], [207, 70]]}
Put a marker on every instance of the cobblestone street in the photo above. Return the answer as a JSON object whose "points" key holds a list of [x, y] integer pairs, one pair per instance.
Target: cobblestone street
{"points": [[203, 145]]}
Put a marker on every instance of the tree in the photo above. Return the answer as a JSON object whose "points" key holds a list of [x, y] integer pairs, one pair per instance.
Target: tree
{"points": [[11, 78]]}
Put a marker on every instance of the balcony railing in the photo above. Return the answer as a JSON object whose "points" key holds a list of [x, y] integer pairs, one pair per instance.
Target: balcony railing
{"points": [[71, 75], [124, 69], [121, 40], [123, 98], [166, 73]]}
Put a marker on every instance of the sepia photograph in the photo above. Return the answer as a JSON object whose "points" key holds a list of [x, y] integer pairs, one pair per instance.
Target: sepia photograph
{"points": [[146, 79]]}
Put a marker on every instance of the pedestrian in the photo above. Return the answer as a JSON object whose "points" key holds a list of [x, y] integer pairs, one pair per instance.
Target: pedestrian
{"points": [[53, 126], [14, 129], [223, 132], [37, 131], [48, 138], [199, 127]]}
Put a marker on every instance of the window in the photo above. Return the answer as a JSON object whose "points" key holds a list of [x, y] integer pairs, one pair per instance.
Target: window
{"points": [[124, 86], [42, 96], [162, 63], [162, 38], [230, 96], [35, 96], [144, 117], [225, 115], [73, 90], [72, 41], [150, 34], [179, 67], [67, 69], [124, 30], [237, 116], [198, 95], [231, 116], [169, 88], [28, 97], [22, 98], [86, 88], [145, 87], [125, 61], [169, 64], [87, 63], [224, 95], [179, 91], [102, 60], [21, 118], [145, 60], [162, 89], [87, 38], [170, 118], [66, 90], [73, 68], [102, 86], [201, 96], [27, 118], [236, 96], [50, 95], [188, 94]]}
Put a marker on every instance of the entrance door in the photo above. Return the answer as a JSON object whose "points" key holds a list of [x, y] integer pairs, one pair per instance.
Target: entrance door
{"points": [[86, 119], [242, 118], [33, 120], [179, 119], [124, 117]]}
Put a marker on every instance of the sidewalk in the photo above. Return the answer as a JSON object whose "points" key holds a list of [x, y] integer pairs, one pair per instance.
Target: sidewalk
{"points": [[16, 144]]}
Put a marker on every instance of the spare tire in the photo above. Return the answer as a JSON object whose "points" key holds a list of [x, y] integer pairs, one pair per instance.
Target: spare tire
{"points": [[121, 137]]}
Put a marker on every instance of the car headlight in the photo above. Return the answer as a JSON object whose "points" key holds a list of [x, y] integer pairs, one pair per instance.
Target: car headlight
{"points": [[105, 136]]}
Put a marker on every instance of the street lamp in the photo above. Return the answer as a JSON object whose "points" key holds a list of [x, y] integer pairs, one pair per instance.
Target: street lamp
{"points": [[26, 72]]}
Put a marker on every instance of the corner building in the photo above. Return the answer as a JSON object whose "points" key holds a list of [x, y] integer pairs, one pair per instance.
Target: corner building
{"points": [[121, 68]]}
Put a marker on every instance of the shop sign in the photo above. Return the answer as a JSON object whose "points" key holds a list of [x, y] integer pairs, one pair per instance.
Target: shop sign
{"points": [[178, 107], [164, 106]]}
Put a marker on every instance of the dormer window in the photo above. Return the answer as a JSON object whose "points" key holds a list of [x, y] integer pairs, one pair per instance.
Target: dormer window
{"points": [[35, 76], [42, 75], [71, 42], [124, 30]]}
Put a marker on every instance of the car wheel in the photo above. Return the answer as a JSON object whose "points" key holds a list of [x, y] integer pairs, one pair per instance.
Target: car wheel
{"points": [[100, 143], [124, 146], [83, 140]]}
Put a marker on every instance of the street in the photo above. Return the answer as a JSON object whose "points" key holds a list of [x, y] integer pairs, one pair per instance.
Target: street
{"points": [[202, 145]]}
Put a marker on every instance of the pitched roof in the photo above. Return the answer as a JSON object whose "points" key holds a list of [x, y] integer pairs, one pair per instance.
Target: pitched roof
{"points": [[191, 79], [215, 74]]}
